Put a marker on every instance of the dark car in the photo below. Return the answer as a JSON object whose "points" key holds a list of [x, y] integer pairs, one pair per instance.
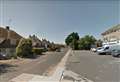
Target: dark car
{"points": [[3, 56], [58, 50], [116, 53]]}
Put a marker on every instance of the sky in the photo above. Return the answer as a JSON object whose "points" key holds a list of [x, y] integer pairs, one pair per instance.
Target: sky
{"points": [[55, 19]]}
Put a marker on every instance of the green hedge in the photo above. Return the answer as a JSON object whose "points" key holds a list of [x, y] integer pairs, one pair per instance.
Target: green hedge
{"points": [[24, 48], [38, 51]]}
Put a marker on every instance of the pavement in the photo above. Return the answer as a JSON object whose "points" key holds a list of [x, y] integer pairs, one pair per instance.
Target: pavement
{"points": [[39, 66], [98, 68], [55, 77]]}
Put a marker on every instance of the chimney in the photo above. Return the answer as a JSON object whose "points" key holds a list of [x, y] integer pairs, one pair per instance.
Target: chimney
{"points": [[7, 27]]}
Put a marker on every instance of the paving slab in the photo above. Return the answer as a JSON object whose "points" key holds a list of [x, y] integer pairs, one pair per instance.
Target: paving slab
{"points": [[23, 78]]}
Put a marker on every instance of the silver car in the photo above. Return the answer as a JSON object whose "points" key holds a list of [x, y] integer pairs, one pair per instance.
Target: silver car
{"points": [[103, 50], [115, 52]]}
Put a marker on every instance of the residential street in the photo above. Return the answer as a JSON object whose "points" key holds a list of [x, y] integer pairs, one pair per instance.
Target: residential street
{"points": [[39, 66], [59, 40], [98, 68]]}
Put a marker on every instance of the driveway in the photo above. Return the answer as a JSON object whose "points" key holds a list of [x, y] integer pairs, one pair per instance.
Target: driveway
{"points": [[98, 68], [41, 65]]}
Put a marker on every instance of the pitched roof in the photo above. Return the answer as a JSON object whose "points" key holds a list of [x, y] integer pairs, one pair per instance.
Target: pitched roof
{"points": [[12, 35], [4, 40], [6, 44], [113, 29]]}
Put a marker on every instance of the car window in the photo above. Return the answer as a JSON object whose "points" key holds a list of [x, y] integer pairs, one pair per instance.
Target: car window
{"points": [[106, 48]]}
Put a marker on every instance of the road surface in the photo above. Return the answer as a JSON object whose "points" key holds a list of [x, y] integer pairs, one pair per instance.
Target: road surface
{"points": [[98, 68], [39, 66]]}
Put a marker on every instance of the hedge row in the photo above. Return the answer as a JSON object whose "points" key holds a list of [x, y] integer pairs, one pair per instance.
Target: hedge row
{"points": [[38, 51]]}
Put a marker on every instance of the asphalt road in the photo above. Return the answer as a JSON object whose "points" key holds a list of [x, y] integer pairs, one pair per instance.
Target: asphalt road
{"points": [[98, 68], [39, 66]]}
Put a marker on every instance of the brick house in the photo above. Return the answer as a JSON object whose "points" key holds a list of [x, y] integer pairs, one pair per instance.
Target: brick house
{"points": [[36, 42], [9, 39]]}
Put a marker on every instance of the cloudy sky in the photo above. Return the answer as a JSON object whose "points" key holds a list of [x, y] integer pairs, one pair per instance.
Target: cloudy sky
{"points": [[55, 19]]}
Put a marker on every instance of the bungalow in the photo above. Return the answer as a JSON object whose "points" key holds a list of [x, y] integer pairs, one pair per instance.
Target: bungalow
{"points": [[8, 40]]}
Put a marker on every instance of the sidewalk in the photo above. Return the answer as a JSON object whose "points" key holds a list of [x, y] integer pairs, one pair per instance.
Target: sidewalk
{"points": [[59, 75]]}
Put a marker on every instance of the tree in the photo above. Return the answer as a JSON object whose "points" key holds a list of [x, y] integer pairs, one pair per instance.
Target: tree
{"points": [[72, 40], [81, 44], [24, 48], [99, 43], [86, 42]]}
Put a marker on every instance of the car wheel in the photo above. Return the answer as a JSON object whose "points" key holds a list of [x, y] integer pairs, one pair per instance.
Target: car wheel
{"points": [[99, 53], [108, 53], [115, 55]]}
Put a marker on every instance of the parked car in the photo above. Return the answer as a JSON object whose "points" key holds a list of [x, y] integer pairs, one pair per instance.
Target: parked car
{"points": [[115, 53], [116, 50], [58, 50], [3, 56], [93, 49], [104, 50]]}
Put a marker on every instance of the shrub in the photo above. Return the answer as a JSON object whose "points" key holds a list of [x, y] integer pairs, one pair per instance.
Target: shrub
{"points": [[24, 48], [38, 51], [52, 48], [14, 56]]}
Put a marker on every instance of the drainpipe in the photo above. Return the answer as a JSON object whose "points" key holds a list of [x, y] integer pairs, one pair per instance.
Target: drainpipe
{"points": [[8, 38]]}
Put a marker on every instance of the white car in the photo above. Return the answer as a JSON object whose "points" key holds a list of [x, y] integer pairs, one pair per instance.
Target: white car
{"points": [[104, 50]]}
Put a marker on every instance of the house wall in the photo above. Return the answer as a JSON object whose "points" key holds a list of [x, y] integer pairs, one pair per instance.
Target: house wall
{"points": [[12, 37], [112, 36], [13, 42]]}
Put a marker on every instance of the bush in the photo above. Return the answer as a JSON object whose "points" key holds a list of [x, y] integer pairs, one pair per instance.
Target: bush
{"points": [[38, 51], [53, 48], [24, 48], [14, 56]]}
